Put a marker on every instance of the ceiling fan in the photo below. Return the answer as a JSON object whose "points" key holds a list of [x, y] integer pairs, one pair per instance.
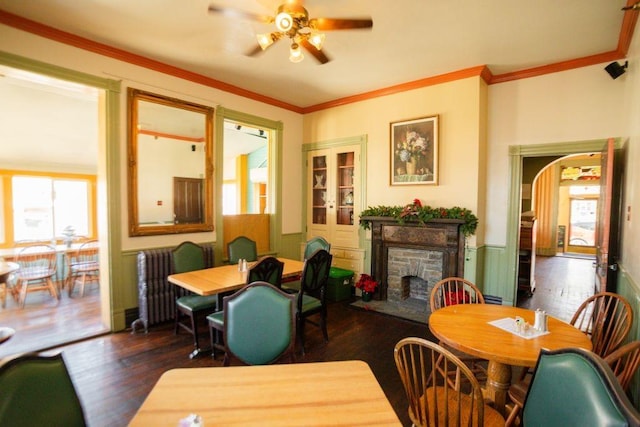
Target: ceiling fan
{"points": [[292, 21]]}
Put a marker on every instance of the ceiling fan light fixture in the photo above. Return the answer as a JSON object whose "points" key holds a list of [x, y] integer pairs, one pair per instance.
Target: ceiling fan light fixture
{"points": [[265, 40], [295, 54], [317, 40], [284, 22]]}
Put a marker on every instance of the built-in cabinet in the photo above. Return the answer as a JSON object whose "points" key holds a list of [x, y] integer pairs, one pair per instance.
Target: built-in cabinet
{"points": [[334, 201]]}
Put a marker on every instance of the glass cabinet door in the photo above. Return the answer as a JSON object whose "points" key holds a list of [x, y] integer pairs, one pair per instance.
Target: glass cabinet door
{"points": [[345, 189], [320, 196]]}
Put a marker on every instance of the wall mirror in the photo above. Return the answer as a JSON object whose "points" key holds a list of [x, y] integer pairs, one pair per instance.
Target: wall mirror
{"points": [[170, 165]]}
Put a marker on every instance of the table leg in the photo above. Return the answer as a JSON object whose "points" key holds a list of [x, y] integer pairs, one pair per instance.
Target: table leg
{"points": [[498, 382]]}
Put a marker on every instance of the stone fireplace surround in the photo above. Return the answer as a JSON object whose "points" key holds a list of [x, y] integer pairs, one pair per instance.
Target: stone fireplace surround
{"points": [[402, 253]]}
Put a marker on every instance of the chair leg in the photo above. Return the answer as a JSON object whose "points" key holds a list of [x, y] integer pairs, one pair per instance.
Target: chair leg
{"points": [[194, 330], [323, 325], [177, 321], [512, 415], [52, 288], [23, 293]]}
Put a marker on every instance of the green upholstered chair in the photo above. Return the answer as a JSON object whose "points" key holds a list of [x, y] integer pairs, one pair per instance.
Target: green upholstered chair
{"points": [[267, 269], [189, 256], [259, 325], [242, 248], [314, 244], [312, 296], [575, 387], [292, 285], [37, 391]]}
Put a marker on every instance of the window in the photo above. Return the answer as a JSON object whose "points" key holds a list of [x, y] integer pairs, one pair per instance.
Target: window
{"points": [[44, 208], [583, 211]]}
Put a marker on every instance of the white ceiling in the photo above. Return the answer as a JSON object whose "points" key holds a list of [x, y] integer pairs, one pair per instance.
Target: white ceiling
{"points": [[410, 39]]}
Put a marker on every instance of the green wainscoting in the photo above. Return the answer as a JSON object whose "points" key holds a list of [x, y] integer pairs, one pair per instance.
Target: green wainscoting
{"points": [[496, 279], [290, 245], [630, 290]]}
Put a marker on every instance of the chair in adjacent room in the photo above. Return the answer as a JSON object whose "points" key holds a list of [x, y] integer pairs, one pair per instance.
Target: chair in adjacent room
{"points": [[576, 387], [605, 317], [38, 265], [435, 400], [37, 391], [242, 248], [267, 269], [188, 256], [456, 290], [259, 325], [84, 266], [312, 296]]}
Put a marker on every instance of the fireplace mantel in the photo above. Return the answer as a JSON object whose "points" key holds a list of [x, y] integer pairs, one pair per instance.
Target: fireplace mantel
{"points": [[442, 235]]}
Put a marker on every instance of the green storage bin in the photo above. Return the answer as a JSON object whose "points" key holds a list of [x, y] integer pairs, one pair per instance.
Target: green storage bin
{"points": [[340, 283]]}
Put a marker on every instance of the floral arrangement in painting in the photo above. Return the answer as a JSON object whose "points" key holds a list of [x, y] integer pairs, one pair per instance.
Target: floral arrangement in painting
{"points": [[416, 211], [413, 146], [367, 283]]}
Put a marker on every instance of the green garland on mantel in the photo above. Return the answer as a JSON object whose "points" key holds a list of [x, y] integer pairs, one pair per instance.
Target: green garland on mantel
{"points": [[416, 212]]}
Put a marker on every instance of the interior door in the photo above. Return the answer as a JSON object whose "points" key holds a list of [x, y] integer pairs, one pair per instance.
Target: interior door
{"points": [[187, 200], [608, 225]]}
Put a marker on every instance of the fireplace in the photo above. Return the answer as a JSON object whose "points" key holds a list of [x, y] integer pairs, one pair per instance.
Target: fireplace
{"points": [[408, 259]]}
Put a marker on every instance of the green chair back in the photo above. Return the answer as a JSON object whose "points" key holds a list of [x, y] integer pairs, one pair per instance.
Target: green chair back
{"points": [[315, 274], [242, 248], [259, 324], [37, 391], [188, 256], [314, 244], [267, 269], [576, 387]]}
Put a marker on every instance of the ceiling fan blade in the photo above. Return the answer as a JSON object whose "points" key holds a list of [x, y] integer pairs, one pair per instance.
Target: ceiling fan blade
{"points": [[318, 54], [328, 24], [237, 13]]}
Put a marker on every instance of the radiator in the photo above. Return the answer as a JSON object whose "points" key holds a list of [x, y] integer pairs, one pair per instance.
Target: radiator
{"points": [[156, 296]]}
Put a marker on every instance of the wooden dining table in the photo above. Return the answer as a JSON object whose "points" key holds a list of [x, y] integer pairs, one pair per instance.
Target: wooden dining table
{"points": [[226, 278], [466, 327], [344, 393]]}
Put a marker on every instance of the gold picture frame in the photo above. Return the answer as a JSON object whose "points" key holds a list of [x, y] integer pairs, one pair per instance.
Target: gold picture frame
{"points": [[414, 151]]}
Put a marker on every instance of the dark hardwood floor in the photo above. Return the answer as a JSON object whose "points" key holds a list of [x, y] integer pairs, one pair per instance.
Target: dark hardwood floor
{"points": [[562, 284], [114, 373]]}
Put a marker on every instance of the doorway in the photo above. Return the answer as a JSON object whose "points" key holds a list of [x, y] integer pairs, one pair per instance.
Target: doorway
{"points": [[56, 126], [518, 188]]}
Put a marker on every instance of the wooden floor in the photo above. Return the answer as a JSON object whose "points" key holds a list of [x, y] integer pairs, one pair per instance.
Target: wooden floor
{"points": [[562, 284], [114, 372]]}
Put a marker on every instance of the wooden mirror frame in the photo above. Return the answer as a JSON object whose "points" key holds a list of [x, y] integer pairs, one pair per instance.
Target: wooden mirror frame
{"points": [[134, 96]]}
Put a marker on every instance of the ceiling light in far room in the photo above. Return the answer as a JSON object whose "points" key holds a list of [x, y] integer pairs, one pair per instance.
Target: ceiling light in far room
{"points": [[615, 70], [296, 54]]}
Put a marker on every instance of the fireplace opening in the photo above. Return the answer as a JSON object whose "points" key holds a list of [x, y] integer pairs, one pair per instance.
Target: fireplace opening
{"points": [[414, 287]]}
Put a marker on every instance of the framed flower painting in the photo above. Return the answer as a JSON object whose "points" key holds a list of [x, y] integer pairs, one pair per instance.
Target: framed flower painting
{"points": [[414, 151]]}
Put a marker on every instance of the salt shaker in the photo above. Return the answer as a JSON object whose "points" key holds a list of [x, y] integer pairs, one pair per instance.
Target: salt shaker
{"points": [[240, 265], [244, 265]]}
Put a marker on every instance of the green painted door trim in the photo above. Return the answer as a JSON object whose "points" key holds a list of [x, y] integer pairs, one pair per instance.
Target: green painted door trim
{"points": [[275, 173], [112, 308], [516, 154]]}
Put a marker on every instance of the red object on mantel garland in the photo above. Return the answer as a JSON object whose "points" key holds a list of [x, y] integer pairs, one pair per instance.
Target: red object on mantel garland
{"points": [[457, 297]]}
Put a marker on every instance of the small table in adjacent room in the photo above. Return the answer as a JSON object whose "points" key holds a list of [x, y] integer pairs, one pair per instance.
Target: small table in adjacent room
{"points": [[466, 327], [326, 393], [6, 269]]}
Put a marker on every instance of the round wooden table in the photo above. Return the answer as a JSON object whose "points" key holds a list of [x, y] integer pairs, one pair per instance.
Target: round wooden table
{"points": [[466, 327]]}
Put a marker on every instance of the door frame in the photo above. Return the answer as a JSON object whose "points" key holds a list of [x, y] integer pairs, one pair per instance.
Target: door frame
{"points": [[516, 154], [108, 175]]}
